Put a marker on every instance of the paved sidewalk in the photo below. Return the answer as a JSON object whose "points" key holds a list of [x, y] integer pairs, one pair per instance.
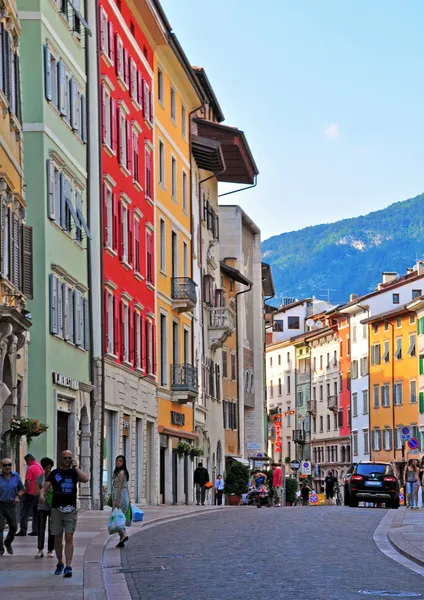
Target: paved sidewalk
{"points": [[24, 577], [406, 533]]}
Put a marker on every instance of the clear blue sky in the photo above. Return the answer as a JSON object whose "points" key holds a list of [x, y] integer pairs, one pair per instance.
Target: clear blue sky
{"points": [[330, 94]]}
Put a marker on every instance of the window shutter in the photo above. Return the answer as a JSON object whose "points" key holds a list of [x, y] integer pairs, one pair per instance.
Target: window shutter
{"points": [[131, 328], [151, 107], [102, 29], [104, 137], [27, 262], [18, 111], [143, 342], [65, 294], [129, 151], [126, 75], [421, 402], [115, 223], [121, 134], [59, 309], [133, 80], [63, 192], [122, 321], [62, 88], [121, 231], [78, 318], [71, 315], [6, 64], [154, 348], [418, 327], [137, 338], [50, 190], [105, 220], [74, 103], [116, 327], [135, 157], [146, 98], [47, 73], [111, 44], [140, 89], [113, 115], [130, 237], [106, 321], [53, 304], [15, 272], [84, 119], [86, 316]]}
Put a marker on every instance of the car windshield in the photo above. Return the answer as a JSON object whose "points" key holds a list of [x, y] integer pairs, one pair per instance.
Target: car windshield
{"points": [[368, 469]]}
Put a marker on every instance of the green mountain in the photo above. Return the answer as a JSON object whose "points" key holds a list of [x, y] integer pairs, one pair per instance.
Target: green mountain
{"points": [[347, 256]]}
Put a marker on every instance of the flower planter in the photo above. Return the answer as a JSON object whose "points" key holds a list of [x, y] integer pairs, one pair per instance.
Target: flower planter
{"points": [[233, 499]]}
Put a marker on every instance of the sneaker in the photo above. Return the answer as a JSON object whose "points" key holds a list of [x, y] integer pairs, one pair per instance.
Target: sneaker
{"points": [[59, 569], [21, 533], [50, 554], [33, 533], [67, 572], [40, 554], [9, 549]]}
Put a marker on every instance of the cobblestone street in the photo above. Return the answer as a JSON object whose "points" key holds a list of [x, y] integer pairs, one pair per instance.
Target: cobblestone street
{"points": [[298, 553]]}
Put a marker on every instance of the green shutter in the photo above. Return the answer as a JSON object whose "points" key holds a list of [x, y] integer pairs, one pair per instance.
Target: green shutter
{"points": [[421, 402], [421, 364], [422, 325], [418, 327]]}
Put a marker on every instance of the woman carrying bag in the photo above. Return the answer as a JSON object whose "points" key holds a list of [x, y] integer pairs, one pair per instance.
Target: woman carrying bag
{"points": [[120, 495], [411, 478]]}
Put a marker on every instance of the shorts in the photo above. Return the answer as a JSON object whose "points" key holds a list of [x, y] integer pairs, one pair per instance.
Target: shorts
{"points": [[63, 522], [277, 492], [329, 494]]}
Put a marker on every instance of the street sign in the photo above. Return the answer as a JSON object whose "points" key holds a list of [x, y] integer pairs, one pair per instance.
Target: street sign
{"points": [[413, 452], [313, 499], [295, 465], [413, 444], [306, 467], [405, 438], [405, 431], [253, 446]]}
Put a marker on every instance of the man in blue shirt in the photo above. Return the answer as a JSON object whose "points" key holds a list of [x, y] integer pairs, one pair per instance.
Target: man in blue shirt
{"points": [[11, 490]]}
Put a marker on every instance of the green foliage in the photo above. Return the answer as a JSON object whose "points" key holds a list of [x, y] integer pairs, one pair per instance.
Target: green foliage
{"points": [[236, 479], [291, 489], [348, 255]]}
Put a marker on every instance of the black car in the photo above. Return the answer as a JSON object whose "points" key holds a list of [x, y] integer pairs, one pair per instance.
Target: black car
{"points": [[373, 482], [346, 484]]}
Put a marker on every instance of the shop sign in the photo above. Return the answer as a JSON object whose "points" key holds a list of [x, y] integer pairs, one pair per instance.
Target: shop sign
{"points": [[65, 381], [126, 426], [280, 415], [177, 418], [278, 444]]}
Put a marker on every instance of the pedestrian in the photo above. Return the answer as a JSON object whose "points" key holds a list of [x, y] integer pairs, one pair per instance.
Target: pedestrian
{"points": [[120, 495], [219, 490], [305, 491], [277, 483], [201, 477], [329, 488], [30, 500], [410, 479], [417, 483], [44, 511], [11, 490], [64, 482]]}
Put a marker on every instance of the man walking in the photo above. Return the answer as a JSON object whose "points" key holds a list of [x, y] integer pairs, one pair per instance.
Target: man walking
{"points": [[277, 483], [11, 490], [30, 501], [201, 477], [64, 482], [329, 488]]}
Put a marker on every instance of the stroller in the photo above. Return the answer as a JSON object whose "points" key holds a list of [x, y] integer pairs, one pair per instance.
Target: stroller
{"points": [[259, 497]]}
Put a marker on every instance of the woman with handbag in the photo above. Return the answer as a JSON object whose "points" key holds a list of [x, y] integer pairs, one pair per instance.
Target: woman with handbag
{"points": [[120, 495], [411, 478]]}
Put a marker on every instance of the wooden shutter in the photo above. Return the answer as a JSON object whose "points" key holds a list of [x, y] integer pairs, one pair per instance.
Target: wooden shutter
{"points": [[106, 318], [121, 231], [116, 326], [135, 156], [3, 240], [102, 30], [131, 328], [53, 304], [140, 89], [151, 107], [62, 88], [71, 315], [50, 190], [105, 221], [154, 348], [130, 237], [104, 137], [111, 44], [78, 318], [84, 119], [126, 69], [121, 134], [133, 79], [2, 34], [146, 98], [143, 342], [421, 402], [47, 73], [129, 147], [113, 117], [86, 326], [115, 223], [65, 294], [18, 111], [118, 56], [74, 103], [15, 247], [122, 321], [27, 262]]}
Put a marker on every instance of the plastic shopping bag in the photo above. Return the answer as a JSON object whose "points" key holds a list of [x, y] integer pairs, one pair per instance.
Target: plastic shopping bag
{"points": [[116, 522], [137, 514]]}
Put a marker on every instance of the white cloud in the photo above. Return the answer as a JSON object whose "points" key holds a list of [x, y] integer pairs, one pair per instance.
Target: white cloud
{"points": [[332, 131]]}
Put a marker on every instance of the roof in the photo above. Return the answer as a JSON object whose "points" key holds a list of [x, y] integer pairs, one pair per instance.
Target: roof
{"points": [[240, 164], [234, 274], [389, 313], [292, 305], [209, 93], [267, 281], [208, 154]]}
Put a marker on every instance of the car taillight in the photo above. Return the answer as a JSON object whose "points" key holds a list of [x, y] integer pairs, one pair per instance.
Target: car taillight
{"points": [[391, 479], [356, 478]]}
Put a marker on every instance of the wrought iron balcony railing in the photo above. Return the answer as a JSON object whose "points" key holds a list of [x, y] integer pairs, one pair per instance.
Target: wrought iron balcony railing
{"points": [[311, 407], [332, 403], [184, 378], [183, 290], [301, 436]]}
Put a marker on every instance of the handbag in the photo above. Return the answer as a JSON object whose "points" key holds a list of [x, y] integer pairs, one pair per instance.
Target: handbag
{"points": [[208, 485]]}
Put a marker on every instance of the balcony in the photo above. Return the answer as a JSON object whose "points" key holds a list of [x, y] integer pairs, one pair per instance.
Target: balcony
{"points": [[183, 292], [332, 403], [301, 436], [183, 383], [304, 377], [221, 326], [311, 407]]}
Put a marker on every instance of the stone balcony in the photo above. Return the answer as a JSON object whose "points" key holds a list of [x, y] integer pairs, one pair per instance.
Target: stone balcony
{"points": [[221, 325], [183, 293]]}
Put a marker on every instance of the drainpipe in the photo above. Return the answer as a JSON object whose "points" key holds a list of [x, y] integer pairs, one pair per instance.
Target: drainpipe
{"points": [[249, 187]]}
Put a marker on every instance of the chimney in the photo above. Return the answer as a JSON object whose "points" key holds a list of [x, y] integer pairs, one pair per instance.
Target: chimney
{"points": [[389, 276], [353, 297], [420, 267]]}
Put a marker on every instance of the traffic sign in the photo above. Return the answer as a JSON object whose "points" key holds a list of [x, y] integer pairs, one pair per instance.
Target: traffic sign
{"points": [[405, 431], [413, 444], [413, 452], [295, 465], [313, 499], [306, 467], [405, 438]]}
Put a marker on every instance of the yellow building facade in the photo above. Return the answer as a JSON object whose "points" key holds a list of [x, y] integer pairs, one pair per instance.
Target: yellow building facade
{"points": [[176, 96], [393, 372]]}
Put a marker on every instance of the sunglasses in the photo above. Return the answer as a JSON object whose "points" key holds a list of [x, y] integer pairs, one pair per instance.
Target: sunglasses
{"points": [[6, 464]]}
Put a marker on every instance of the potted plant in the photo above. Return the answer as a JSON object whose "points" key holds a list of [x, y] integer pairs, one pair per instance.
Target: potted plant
{"points": [[25, 426], [291, 489], [183, 448], [236, 482], [287, 460], [194, 451]]}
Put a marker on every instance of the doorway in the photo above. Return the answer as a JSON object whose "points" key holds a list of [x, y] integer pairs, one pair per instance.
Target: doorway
{"points": [[174, 249], [62, 428], [162, 475], [174, 477]]}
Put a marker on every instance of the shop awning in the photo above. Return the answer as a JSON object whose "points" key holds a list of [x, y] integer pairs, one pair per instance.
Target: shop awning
{"points": [[178, 433]]}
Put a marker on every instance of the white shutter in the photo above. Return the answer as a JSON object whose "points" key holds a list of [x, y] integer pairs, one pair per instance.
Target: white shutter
{"points": [[50, 190], [133, 80], [65, 294], [53, 304], [74, 103], [86, 324], [62, 88], [71, 316], [47, 73], [78, 318], [59, 310]]}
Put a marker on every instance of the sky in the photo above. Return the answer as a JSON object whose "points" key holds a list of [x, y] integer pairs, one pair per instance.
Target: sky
{"points": [[330, 94]]}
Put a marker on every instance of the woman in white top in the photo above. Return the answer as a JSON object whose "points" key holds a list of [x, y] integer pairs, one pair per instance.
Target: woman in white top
{"points": [[219, 490]]}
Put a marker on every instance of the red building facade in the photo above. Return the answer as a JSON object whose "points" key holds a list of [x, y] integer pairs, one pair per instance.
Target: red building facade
{"points": [[126, 81], [344, 396]]}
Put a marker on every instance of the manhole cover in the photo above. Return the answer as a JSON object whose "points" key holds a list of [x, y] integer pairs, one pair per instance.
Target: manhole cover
{"points": [[390, 593]]}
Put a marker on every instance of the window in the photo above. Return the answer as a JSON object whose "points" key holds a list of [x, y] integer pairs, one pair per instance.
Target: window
{"points": [[135, 159], [321, 363], [299, 398], [119, 58], [395, 298], [365, 402], [328, 360], [278, 325], [375, 327], [279, 359], [355, 443], [185, 260], [321, 392], [123, 145], [364, 331], [416, 294], [376, 392], [149, 257], [280, 388], [69, 313], [397, 438], [398, 351], [413, 391], [293, 322], [386, 325], [421, 364], [173, 105], [375, 354], [160, 86], [354, 330], [137, 249], [148, 174], [183, 122], [387, 439], [354, 369], [133, 80], [162, 242], [364, 365], [328, 423], [335, 389], [341, 348], [163, 344], [355, 404], [270, 362], [399, 322], [411, 348], [271, 389], [161, 163], [335, 421], [288, 384], [366, 441], [412, 317], [174, 179], [386, 352], [126, 331], [335, 358], [321, 424], [124, 233], [314, 393], [104, 33], [397, 393], [233, 366], [328, 390], [110, 329], [385, 395], [224, 364], [376, 440], [314, 426], [314, 363], [185, 197]]}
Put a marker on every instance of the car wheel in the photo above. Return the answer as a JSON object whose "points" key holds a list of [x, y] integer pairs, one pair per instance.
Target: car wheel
{"points": [[353, 502]]}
